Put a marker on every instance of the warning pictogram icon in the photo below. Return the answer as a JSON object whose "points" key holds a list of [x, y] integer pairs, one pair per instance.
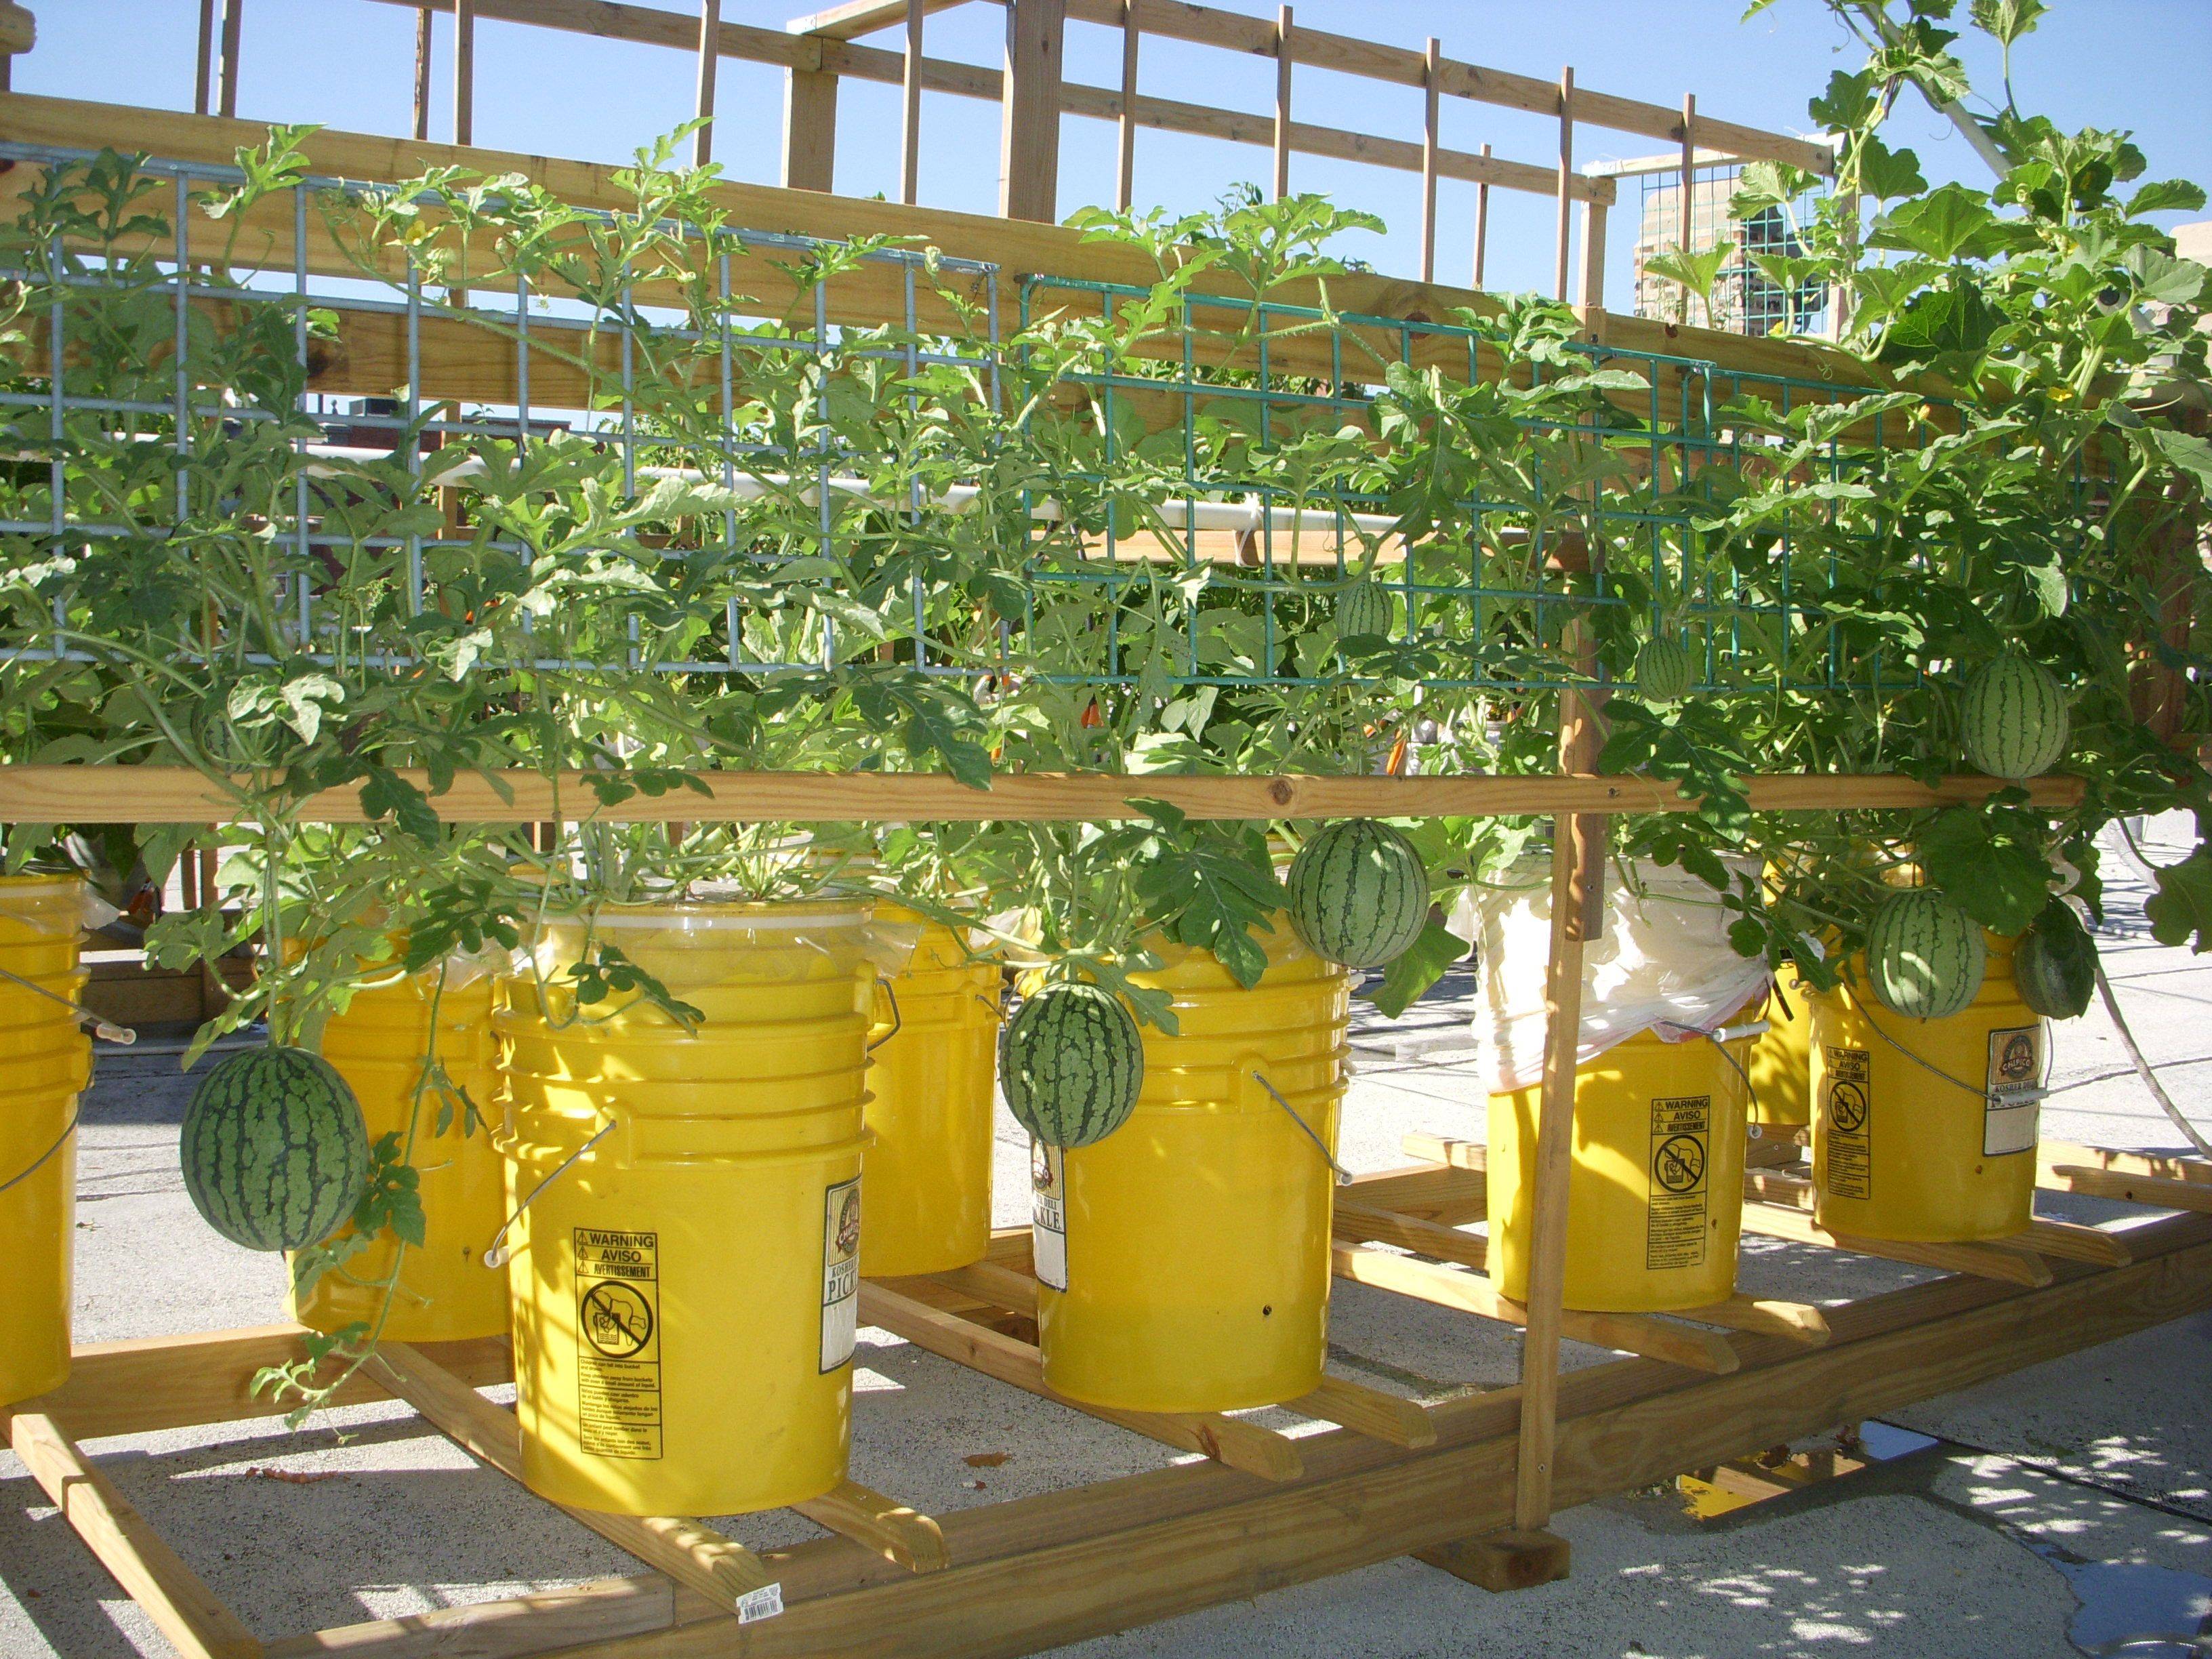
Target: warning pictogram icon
{"points": [[1680, 1164], [616, 1320], [1847, 1107]]}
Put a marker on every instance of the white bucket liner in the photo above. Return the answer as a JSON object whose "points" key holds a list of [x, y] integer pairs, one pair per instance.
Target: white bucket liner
{"points": [[1664, 960]]}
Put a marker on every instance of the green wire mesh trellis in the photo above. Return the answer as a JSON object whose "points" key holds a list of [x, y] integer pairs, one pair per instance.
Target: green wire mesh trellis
{"points": [[1176, 520]]}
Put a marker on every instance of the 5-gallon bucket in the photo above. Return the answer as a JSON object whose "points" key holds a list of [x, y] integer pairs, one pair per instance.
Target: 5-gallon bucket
{"points": [[45, 1059], [930, 1075], [1656, 1190], [1780, 1064], [1925, 1130], [684, 1263], [1183, 1260], [380, 1045]]}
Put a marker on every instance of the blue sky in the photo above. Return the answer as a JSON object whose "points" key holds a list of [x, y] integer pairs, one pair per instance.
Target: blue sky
{"points": [[2140, 64]]}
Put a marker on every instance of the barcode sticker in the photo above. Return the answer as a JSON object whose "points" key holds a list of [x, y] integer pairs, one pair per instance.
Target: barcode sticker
{"points": [[765, 1602]]}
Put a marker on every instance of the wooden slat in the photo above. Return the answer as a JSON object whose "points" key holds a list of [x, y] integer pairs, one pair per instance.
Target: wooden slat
{"points": [[1451, 1287], [2042, 1237], [19, 28], [895, 1531], [687, 1550], [1279, 137], [160, 794], [1984, 1260], [515, 1627], [1379, 1416], [702, 141], [858, 17], [171, 1593], [2162, 1166], [1447, 1150], [1429, 1192], [1125, 137], [2131, 1189], [1227, 1440], [1360, 1224], [1794, 1322]]}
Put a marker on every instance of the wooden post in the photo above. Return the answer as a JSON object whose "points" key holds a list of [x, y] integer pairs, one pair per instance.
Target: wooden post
{"points": [[910, 108], [1685, 219], [809, 128], [1566, 178], [1596, 212], [1028, 143], [1125, 173], [1283, 104], [233, 23], [1482, 224], [203, 80], [464, 71], [710, 57], [1432, 75], [422, 75]]}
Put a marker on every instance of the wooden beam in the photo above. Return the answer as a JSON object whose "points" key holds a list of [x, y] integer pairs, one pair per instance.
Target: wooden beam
{"points": [[204, 75], [2052, 1155], [2190, 1194], [164, 794], [1793, 1322], [1984, 1260], [892, 1529], [1125, 143], [910, 107], [1379, 1416], [170, 1592], [464, 72], [1452, 1287], [424, 35], [858, 17], [573, 1616], [1284, 62], [1029, 137], [710, 24], [1567, 177], [687, 1550], [1227, 1440], [1432, 144], [1429, 1192], [233, 28], [1361, 1224]]}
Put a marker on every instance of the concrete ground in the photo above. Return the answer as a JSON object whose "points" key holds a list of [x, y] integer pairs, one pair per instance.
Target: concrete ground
{"points": [[2061, 1510]]}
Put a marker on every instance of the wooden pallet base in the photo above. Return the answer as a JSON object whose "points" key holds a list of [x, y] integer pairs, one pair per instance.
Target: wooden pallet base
{"points": [[1032, 1572]]}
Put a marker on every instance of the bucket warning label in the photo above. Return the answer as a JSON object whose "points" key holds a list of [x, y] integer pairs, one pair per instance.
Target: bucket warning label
{"points": [[617, 1342], [1049, 1214], [1674, 1226], [841, 1272], [2015, 1091], [1847, 1170]]}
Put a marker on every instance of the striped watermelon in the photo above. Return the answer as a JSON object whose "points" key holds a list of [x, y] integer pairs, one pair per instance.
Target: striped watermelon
{"points": [[1358, 893], [1924, 955], [1071, 1063], [1366, 608], [2012, 721], [1666, 669], [274, 1148], [2055, 963]]}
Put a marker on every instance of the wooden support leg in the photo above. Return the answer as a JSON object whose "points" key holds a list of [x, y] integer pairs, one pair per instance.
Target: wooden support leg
{"points": [[883, 1524], [1500, 1561], [182, 1608]]}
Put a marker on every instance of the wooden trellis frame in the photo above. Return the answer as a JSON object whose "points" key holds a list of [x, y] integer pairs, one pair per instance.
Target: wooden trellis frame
{"points": [[1469, 1483]]}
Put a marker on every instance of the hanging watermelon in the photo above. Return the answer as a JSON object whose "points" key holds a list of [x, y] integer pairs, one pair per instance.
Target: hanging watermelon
{"points": [[1358, 893], [2055, 963], [1666, 669], [2012, 721], [1365, 608], [1924, 956], [274, 1148], [1071, 1063]]}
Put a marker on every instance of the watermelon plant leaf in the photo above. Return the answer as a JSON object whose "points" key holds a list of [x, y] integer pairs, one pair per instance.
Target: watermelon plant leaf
{"points": [[1422, 963], [1990, 864], [2180, 911]]}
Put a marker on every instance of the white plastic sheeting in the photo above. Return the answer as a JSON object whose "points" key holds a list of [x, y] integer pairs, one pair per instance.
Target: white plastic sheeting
{"points": [[1663, 962]]}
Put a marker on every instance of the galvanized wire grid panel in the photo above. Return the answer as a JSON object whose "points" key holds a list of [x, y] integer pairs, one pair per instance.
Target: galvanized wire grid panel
{"points": [[1119, 584]]}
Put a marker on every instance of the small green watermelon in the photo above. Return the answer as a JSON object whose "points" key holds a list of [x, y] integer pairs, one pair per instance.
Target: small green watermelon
{"points": [[2012, 721], [1666, 669], [1071, 1062], [1924, 956], [275, 1150], [2055, 963], [1365, 608], [1358, 893]]}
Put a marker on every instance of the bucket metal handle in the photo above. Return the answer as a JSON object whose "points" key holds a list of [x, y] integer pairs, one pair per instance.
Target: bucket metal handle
{"points": [[898, 1020], [122, 1036], [2024, 1097], [1343, 1175], [38, 1163], [496, 1253]]}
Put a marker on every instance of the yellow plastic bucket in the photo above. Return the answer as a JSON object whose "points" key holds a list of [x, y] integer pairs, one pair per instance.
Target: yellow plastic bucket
{"points": [[1780, 1064], [378, 1045], [46, 1061], [1183, 1260], [927, 1172], [1904, 1152], [684, 1264], [1656, 1190]]}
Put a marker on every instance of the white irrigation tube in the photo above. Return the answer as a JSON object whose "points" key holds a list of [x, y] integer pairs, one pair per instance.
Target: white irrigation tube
{"points": [[1199, 512]]}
